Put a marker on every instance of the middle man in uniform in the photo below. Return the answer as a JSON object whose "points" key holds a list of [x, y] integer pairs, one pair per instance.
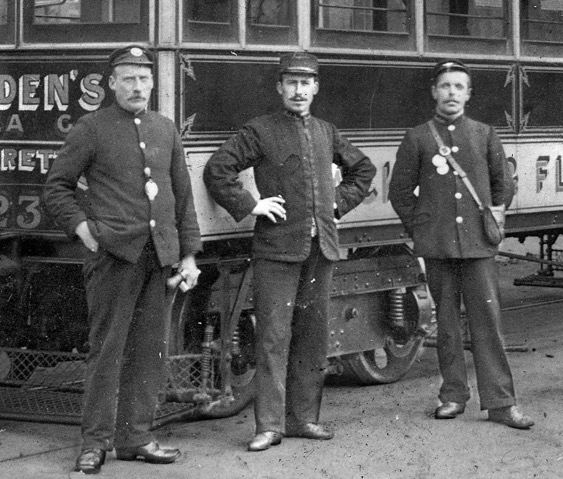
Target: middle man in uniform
{"points": [[295, 244]]}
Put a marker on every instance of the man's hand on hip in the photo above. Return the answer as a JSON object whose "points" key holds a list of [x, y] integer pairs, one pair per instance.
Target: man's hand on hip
{"points": [[271, 207]]}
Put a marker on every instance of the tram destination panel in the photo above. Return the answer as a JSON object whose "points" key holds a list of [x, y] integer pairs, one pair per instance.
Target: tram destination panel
{"points": [[39, 103]]}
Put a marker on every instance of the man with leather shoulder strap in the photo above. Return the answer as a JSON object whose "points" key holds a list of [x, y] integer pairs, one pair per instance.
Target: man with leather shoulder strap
{"points": [[445, 224]]}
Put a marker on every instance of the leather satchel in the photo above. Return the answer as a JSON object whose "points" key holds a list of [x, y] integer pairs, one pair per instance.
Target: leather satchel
{"points": [[492, 227], [493, 233]]}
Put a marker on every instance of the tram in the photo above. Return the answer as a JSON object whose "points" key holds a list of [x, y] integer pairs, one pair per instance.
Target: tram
{"points": [[216, 64]]}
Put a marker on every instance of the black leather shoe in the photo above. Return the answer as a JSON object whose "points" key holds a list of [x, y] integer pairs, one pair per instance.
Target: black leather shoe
{"points": [[265, 440], [510, 416], [311, 431], [150, 452], [449, 410], [90, 461]]}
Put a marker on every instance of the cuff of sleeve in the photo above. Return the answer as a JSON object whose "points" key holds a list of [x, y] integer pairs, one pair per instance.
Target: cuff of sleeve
{"points": [[78, 218], [244, 208], [192, 247]]}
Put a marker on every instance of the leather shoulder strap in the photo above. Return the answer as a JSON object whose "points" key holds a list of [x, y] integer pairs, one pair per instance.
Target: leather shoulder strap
{"points": [[446, 152]]}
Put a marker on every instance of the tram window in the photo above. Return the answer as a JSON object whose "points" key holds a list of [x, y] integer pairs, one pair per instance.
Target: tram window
{"points": [[542, 27], [467, 25], [6, 22], [268, 22], [382, 24], [71, 21], [362, 15], [3, 12], [210, 20], [92, 11], [271, 21]]}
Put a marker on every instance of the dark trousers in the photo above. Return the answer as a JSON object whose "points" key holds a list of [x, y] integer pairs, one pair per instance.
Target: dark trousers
{"points": [[128, 311], [476, 280], [291, 301]]}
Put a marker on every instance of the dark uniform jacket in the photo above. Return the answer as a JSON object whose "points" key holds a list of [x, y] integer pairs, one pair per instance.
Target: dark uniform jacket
{"points": [[107, 147], [292, 158], [444, 220]]}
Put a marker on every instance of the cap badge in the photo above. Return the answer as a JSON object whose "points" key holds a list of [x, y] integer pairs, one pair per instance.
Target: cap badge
{"points": [[136, 52]]}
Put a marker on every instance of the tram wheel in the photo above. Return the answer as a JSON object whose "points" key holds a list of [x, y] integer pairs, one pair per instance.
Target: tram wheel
{"points": [[394, 359], [384, 365]]}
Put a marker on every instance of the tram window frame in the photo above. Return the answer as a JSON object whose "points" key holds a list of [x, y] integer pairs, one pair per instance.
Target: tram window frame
{"points": [[543, 47], [209, 30], [261, 33], [452, 42], [363, 39], [67, 33], [7, 29], [228, 31]]}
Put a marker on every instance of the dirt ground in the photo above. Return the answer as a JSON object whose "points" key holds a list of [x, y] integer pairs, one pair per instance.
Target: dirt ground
{"points": [[385, 431]]}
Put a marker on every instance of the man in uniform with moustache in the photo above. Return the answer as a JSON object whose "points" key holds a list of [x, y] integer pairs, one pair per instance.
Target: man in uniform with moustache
{"points": [[295, 244], [137, 222], [445, 224]]}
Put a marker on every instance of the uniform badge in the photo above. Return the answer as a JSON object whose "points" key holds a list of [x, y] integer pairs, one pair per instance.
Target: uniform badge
{"points": [[442, 170], [438, 161], [151, 189]]}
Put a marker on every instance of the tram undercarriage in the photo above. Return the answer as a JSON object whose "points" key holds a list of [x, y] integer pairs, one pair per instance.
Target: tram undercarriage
{"points": [[380, 312]]}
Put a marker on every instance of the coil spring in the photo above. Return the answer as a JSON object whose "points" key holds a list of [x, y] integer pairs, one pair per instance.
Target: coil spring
{"points": [[206, 354], [238, 363], [397, 308], [236, 342]]}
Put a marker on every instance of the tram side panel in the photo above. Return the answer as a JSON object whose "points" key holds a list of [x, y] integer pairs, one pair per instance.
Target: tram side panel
{"points": [[215, 223], [538, 174], [537, 169]]}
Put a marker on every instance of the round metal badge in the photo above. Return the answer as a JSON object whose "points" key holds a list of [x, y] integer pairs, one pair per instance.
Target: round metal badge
{"points": [[442, 170], [151, 189], [438, 161]]}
